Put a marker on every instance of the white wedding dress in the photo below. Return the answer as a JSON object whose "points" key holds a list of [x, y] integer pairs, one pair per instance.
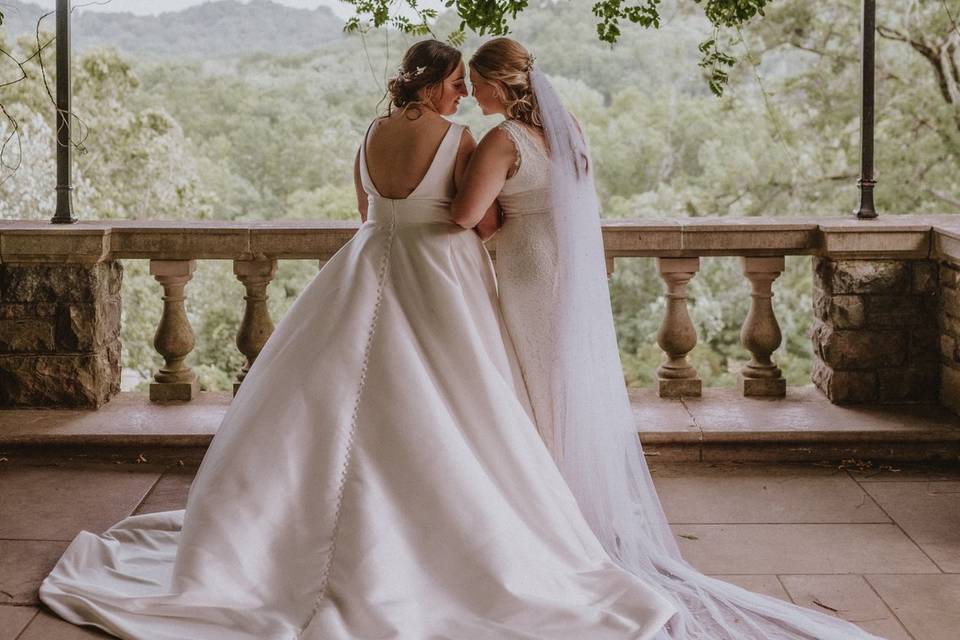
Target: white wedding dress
{"points": [[377, 477], [555, 302], [526, 265]]}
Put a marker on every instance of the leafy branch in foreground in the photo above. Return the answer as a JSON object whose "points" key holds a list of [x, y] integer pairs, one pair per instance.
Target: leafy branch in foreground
{"points": [[493, 17]]}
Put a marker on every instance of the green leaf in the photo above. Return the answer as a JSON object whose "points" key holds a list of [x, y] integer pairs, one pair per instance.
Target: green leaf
{"points": [[494, 17]]}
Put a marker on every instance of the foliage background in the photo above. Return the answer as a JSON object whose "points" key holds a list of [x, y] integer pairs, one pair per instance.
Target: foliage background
{"points": [[185, 122]]}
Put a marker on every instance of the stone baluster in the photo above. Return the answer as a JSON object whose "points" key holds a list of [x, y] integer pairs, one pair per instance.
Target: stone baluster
{"points": [[760, 333], [174, 337], [677, 335], [256, 326]]}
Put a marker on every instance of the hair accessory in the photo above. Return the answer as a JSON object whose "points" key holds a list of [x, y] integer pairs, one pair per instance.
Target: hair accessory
{"points": [[406, 76], [530, 61]]}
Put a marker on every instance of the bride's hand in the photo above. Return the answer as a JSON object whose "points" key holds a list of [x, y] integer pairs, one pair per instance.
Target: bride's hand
{"points": [[491, 222]]}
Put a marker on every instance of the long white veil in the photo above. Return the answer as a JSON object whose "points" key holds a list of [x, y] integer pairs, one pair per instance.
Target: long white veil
{"points": [[596, 444]]}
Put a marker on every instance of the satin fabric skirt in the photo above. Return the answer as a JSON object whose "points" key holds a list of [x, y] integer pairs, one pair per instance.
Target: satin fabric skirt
{"points": [[378, 476]]}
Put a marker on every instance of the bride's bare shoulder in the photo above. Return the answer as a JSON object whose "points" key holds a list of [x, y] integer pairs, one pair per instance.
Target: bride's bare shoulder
{"points": [[500, 148], [402, 122], [498, 138]]}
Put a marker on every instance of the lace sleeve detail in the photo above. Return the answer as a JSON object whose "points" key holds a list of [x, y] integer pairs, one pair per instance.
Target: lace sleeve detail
{"points": [[514, 136]]}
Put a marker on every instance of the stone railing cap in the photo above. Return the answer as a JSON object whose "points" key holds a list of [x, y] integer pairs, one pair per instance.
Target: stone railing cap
{"points": [[40, 241], [95, 240], [893, 236]]}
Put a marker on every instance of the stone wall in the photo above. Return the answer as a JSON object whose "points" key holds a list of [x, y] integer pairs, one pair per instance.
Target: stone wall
{"points": [[948, 320], [874, 333], [59, 334]]}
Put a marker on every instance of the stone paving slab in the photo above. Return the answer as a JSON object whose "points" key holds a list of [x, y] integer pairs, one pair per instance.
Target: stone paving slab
{"points": [[54, 503], [13, 620], [47, 626], [730, 493], [23, 566], [170, 492], [801, 548], [928, 606], [929, 513], [849, 597]]}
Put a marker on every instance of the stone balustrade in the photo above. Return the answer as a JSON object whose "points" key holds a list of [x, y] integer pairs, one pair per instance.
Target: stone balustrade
{"points": [[886, 299]]}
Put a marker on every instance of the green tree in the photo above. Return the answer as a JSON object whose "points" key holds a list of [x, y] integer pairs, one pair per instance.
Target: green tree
{"points": [[495, 17], [265, 136]]}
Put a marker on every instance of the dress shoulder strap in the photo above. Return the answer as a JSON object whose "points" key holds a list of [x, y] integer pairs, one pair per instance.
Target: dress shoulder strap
{"points": [[365, 179], [439, 178]]}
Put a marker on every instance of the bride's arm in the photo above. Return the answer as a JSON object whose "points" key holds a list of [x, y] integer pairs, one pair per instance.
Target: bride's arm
{"points": [[490, 223], [358, 185], [468, 147], [476, 200]]}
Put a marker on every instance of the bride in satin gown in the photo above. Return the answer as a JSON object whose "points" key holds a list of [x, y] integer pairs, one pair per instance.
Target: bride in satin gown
{"points": [[378, 475], [555, 302]]}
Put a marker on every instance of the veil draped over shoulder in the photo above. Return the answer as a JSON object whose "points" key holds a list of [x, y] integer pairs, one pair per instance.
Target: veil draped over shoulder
{"points": [[596, 442]]}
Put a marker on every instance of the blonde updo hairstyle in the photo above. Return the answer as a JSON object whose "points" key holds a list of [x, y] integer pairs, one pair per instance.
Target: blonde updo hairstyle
{"points": [[425, 65], [506, 64]]}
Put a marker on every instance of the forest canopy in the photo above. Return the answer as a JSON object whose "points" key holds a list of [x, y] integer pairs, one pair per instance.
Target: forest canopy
{"points": [[202, 130]]}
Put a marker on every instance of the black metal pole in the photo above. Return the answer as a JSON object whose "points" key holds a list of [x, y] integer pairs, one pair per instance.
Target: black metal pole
{"points": [[866, 181], [64, 213]]}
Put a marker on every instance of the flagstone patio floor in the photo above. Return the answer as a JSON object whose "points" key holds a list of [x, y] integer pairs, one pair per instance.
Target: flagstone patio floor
{"points": [[875, 544]]}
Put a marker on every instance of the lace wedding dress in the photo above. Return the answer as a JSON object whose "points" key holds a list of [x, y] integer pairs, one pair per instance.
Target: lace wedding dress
{"points": [[556, 306], [526, 265], [377, 476]]}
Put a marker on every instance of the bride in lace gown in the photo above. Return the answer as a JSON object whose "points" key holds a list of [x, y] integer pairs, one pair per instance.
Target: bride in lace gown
{"points": [[556, 305], [378, 475]]}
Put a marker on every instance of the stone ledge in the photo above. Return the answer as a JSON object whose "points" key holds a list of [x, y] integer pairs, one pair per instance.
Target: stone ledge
{"points": [[889, 236], [721, 425], [70, 244]]}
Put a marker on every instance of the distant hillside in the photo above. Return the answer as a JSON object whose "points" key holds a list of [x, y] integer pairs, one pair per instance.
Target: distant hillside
{"points": [[218, 28]]}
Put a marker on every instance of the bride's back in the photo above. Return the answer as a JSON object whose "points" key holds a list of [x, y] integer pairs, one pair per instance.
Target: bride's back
{"points": [[400, 150]]}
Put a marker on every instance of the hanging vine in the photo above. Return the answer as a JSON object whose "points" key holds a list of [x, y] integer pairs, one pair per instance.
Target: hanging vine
{"points": [[8, 165]]}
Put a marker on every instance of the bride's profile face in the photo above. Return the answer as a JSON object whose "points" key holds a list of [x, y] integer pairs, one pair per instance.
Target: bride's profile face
{"points": [[485, 94], [446, 96]]}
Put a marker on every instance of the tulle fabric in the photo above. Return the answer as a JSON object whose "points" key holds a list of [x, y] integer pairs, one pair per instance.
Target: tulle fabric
{"points": [[596, 444]]}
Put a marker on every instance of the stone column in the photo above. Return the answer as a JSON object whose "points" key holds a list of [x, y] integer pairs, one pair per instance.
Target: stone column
{"points": [[875, 332], [59, 333], [256, 326], [677, 335], [174, 337], [760, 333]]}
